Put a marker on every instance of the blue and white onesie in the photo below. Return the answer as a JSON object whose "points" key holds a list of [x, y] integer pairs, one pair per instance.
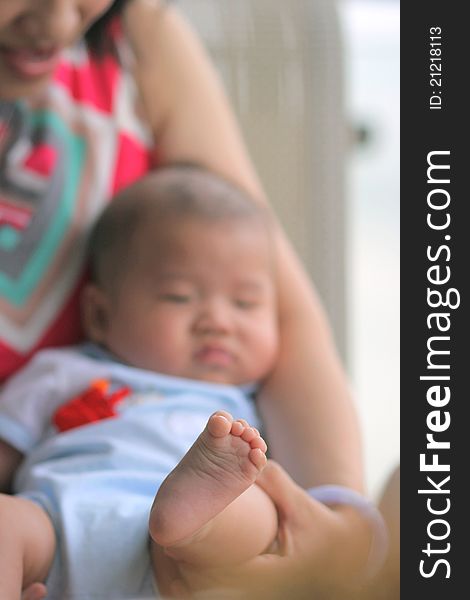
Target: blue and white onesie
{"points": [[98, 481]]}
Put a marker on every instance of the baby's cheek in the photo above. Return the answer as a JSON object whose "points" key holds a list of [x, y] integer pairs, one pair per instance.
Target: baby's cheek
{"points": [[170, 353], [271, 352], [265, 348]]}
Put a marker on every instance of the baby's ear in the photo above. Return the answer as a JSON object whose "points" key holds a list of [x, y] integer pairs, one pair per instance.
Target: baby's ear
{"points": [[95, 313]]}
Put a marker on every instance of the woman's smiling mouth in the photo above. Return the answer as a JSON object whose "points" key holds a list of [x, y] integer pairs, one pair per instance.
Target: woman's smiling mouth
{"points": [[30, 62]]}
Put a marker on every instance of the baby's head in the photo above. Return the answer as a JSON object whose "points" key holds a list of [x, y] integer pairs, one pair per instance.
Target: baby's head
{"points": [[183, 279]]}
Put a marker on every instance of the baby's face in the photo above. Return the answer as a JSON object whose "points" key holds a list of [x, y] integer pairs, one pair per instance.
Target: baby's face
{"points": [[199, 303]]}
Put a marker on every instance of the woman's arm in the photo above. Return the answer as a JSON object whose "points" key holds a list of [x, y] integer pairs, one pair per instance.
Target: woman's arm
{"points": [[306, 406], [183, 97]]}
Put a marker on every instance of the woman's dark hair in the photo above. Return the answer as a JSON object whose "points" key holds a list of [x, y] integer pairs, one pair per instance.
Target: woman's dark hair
{"points": [[98, 42]]}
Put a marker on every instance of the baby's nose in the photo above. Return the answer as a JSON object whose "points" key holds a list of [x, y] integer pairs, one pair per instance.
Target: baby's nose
{"points": [[215, 316]]}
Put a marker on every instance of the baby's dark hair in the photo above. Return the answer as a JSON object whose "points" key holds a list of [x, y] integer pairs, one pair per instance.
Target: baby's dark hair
{"points": [[181, 190]]}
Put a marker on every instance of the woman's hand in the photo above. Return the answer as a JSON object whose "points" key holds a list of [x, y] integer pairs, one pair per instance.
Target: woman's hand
{"points": [[319, 552], [319, 545]]}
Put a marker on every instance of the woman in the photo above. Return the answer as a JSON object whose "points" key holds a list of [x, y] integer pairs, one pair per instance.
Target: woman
{"points": [[77, 123]]}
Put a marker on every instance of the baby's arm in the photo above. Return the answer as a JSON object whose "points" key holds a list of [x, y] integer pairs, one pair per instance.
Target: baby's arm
{"points": [[21, 520], [10, 459], [209, 512], [27, 546]]}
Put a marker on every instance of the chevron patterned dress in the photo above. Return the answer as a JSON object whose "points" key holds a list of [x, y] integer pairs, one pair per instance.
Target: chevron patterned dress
{"points": [[62, 157]]}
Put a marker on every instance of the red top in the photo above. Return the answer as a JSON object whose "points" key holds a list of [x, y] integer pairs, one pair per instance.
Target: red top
{"points": [[61, 158]]}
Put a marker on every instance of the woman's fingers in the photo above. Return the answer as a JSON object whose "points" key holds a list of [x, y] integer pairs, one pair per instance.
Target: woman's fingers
{"points": [[36, 591], [280, 487], [292, 502]]}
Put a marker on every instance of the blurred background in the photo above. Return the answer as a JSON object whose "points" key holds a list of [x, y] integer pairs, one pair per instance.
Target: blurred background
{"points": [[315, 86], [372, 84]]}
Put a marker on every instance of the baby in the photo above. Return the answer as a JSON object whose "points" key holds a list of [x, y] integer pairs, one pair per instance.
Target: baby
{"points": [[181, 318]]}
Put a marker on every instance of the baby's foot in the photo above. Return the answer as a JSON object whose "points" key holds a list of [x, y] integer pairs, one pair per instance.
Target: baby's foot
{"points": [[221, 464]]}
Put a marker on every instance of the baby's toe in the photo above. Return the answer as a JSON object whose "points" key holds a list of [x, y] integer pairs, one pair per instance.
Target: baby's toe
{"points": [[249, 434], [220, 423], [237, 428], [258, 442], [258, 458]]}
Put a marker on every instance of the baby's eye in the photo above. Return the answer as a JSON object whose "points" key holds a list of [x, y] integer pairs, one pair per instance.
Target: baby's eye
{"points": [[176, 298], [245, 304]]}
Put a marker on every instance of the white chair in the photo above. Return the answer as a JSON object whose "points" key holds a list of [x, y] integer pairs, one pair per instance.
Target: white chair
{"points": [[281, 65]]}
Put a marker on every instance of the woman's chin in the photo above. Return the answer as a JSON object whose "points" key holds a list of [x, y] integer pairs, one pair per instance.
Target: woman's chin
{"points": [[15, 88]]}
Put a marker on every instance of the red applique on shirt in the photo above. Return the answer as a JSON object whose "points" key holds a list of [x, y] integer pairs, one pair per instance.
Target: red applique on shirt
{"points": [[94, 404]]}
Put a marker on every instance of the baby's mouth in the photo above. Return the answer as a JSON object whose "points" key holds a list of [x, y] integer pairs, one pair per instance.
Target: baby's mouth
{"points": [[30, 62], [214, 356]]}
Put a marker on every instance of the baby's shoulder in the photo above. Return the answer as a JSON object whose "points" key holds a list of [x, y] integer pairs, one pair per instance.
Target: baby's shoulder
{"points": [[57, 366]]}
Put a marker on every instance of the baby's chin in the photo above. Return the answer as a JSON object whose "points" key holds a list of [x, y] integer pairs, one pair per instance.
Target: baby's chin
{"points": [[220, 376], [209, 374]]}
